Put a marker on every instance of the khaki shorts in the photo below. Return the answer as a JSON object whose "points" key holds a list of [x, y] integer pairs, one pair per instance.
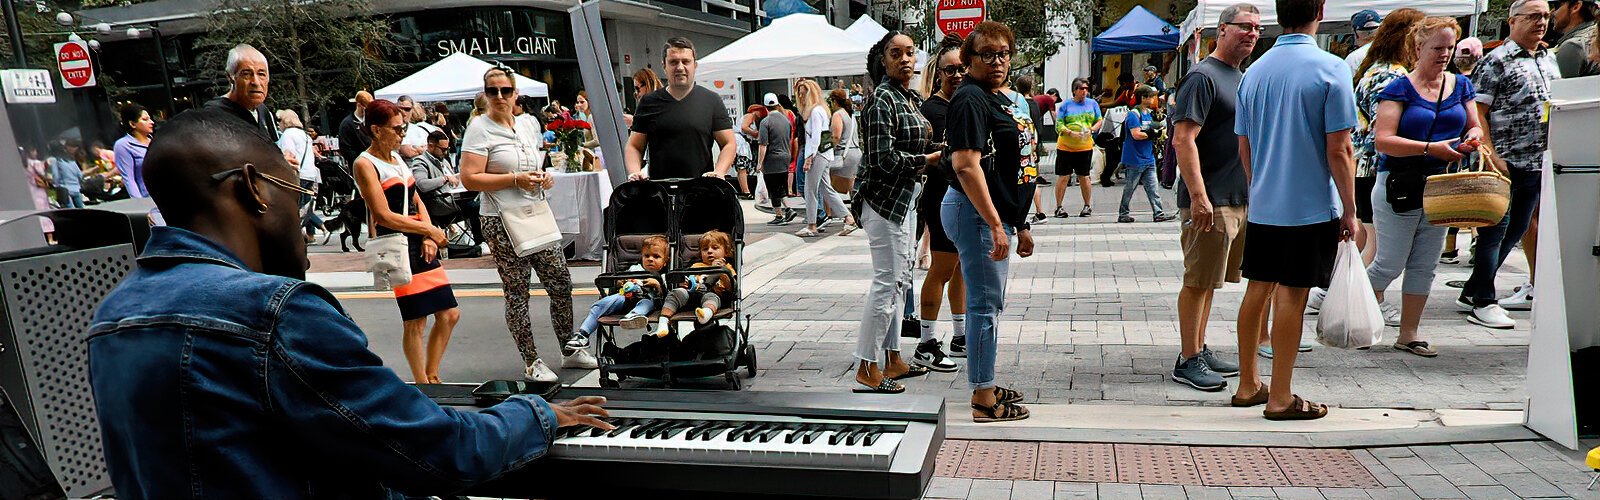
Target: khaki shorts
{"points": [[1212, 257]]}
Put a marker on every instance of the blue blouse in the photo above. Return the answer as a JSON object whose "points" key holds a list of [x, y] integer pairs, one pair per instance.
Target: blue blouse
{"points": [[1446, 120]]}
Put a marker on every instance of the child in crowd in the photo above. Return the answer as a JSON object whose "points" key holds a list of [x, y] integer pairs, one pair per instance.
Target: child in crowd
{"points": [[637, 296], [716, 250]]}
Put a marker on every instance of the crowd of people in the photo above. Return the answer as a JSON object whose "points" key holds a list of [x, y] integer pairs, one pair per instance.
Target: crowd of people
{"points": [[1275, 152]]}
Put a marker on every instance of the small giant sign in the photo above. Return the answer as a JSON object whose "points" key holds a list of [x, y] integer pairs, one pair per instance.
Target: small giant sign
{"points": [[77, 71], [959, 16], [28, 86]]}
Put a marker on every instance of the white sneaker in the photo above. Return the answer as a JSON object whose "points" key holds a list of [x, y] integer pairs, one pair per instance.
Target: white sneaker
{"points": [[580, 359], [538, 372], [703, 315], [634, 321], [1491, 316], [1314, 302], [579, 340], [1391, 314], [1521, 299]]}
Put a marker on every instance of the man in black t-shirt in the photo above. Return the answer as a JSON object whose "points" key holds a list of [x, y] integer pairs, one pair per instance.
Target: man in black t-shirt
{"points": [[677, 124], [1213, 192]]}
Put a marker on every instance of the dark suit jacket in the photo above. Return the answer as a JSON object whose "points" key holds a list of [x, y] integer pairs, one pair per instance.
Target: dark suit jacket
{"points": [[266, 125], [352, 140]]}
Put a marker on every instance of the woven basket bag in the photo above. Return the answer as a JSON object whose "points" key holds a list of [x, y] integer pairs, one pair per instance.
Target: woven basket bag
{"points": [[1467, 199]]}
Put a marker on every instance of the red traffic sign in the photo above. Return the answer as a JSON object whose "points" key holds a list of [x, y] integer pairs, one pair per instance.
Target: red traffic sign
{"points": [[959, 16], [77, 71]]}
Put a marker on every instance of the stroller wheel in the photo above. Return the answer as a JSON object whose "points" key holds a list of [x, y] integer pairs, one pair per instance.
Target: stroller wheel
{"points": [[749, 360], [605, 379]]}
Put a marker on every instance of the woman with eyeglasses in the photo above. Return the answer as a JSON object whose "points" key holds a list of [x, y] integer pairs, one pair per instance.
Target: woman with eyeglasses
{"points": [[944, 270], [502, 156], [898, 149], [399, 209], [987, 206]]}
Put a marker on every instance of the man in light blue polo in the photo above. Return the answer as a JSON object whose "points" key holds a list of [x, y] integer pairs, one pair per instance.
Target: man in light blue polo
{"points": [[1295, 112]]}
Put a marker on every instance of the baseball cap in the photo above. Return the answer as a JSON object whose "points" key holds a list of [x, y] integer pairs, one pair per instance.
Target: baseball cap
{"points": [[770, 99], [1151, 69], [1471, 46], [1366, 20]]}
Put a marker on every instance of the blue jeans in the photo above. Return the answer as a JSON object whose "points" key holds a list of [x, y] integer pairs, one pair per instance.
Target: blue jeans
{"points": [[71, 199], [612, 304], [985, 279], [1495, 242], [1140, 175]]}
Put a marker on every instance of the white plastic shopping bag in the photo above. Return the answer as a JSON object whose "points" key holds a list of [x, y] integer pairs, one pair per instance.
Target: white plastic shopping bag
{"points": [[1350, 317]]}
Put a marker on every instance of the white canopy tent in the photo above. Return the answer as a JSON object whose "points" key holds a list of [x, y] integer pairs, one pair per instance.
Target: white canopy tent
{"points": [[1207, 12], [454, 78], [866, 30], [793, 46]]}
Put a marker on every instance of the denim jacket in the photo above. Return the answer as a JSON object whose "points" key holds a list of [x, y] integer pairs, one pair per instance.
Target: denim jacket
{"points": [[214, 381]]}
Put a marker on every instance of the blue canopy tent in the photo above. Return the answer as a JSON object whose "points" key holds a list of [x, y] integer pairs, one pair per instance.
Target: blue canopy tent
{"points": [[1139, 31]]}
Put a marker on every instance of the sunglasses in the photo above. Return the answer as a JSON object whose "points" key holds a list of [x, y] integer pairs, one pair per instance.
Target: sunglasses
{"points": [[223, 175], [953, 70], [499, 91]]}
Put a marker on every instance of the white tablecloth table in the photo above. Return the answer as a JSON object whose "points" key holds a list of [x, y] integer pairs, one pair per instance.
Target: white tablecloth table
{"points": [[578, 201]]}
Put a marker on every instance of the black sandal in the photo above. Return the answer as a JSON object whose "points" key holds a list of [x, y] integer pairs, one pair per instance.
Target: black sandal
{"points": [[887, 386], [1000, 412], [913, 372], [1007, 396]]}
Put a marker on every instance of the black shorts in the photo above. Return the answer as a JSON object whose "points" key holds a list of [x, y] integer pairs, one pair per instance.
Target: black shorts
{"points": [[1364, 187], [1295, 256], [928, 218], [1074, 163]]}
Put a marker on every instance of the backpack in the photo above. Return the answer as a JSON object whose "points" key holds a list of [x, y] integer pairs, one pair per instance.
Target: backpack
{"points": [[1111, 130]]}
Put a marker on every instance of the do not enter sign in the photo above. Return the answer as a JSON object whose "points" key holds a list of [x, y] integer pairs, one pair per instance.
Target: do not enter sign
{"points": [[959, 16], [76, 69]]}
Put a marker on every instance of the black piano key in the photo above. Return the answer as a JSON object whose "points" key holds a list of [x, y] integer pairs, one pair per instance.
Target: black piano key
{"points": [[660, 430], [742, 428], [766, 437], [642, 429], [699, 430], [854, 437], [753, 431], [714, 432], [622, 427], [798, 431], [838, 435], [677, 429], [871, 437], [812, 434]]}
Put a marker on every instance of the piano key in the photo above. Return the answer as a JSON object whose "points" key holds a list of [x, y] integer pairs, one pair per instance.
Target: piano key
{"points": [[871, 437], [648, 430], [771, 433], [675, 431], [854, 437], [646, 425]]}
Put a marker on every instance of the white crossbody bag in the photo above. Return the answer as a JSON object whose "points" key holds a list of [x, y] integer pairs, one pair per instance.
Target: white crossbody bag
{"points": [[389, 256], [531, 227]]}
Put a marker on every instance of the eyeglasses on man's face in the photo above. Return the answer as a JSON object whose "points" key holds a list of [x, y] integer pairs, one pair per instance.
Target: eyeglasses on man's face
{"points": [[223, 175], [1246, 27], [1534, 16]]}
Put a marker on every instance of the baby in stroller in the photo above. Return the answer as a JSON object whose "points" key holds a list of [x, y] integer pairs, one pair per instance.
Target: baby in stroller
{"points": [[637, 296], [716, 248]]}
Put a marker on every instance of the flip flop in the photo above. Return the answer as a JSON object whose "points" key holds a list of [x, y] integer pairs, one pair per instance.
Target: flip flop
{"points": [[887, 386], [913, 372], [1300, 409], [1417, 347], [1260, 398], [1000, 412], [1007, 396]]}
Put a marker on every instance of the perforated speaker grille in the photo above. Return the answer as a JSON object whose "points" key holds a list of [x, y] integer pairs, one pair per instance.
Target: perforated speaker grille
{"points": [[50, 300]]}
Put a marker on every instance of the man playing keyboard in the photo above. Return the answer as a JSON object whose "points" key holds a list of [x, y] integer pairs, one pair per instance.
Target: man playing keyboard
{"points": [[219, 373]]}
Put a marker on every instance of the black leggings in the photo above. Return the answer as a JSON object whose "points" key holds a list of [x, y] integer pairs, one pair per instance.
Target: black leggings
{"points": [[777, 188]]}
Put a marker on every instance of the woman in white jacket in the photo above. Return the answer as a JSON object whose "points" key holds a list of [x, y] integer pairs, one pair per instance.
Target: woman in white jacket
{"points": [[818, 186]]}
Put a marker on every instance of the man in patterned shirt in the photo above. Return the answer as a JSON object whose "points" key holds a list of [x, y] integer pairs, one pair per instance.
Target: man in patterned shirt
{"points": [[1513, 84]]}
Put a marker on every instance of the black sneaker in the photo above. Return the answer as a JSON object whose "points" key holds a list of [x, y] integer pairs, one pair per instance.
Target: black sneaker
{"points": [[1223, 367], [777, 220], [1194, 372], [1125, 219], [958, 346], [1086, 211], [790, 215], [1037, 219], [1061, 213], [929, 355], [826, 221], [1164, 217]]}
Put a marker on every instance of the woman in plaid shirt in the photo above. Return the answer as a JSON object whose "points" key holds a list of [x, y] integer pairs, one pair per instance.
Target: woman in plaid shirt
{"points": [[896, 150]]}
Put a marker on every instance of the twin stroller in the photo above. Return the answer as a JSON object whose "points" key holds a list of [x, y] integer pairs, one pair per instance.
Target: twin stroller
{"points": [[683, 210]]}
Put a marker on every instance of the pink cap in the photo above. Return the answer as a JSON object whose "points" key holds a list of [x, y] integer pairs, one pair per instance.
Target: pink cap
{"points": [[1471, 45]]}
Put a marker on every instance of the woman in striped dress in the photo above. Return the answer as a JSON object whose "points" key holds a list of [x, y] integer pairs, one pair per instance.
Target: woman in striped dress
{"points": [[379, 169]]}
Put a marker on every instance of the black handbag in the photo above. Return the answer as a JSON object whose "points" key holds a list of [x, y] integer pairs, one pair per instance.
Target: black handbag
{"points": [[1408, 175], [441, 207]]}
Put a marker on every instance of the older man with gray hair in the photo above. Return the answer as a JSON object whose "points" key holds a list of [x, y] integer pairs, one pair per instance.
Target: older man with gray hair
{"points": [[247, 98], [1513, 84]]}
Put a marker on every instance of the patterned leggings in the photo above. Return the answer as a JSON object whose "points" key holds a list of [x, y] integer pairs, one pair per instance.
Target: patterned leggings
{"points": [[514, 273]]}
